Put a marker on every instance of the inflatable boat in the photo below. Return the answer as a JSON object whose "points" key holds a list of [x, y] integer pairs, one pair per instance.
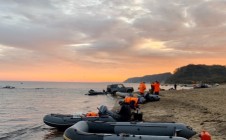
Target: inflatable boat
{"points": [[88, 130], [151, 97], [93, 92], [123, 94], [148, 97], [62, 121]]}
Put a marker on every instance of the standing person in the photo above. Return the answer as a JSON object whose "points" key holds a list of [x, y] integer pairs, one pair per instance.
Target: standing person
{"points": [[175, 86], [142, 88], [152, 87], [157, 88]]}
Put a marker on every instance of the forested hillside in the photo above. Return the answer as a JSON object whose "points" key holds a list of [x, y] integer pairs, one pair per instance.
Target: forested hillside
{"points": [[199, 73], [150, 78]]}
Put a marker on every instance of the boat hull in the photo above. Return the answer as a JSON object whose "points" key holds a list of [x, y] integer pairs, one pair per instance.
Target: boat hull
{"points": [[89, 130], [63, 121]]}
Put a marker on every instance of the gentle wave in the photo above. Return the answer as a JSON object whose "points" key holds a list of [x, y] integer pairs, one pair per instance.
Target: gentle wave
{"points": [[22, 109]]}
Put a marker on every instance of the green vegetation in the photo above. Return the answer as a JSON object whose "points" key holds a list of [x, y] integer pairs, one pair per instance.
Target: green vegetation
{"points": [[189, 74], [198, 74]]}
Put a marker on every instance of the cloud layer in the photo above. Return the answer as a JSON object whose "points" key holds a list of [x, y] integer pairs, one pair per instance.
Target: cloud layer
{"points": [[125, 38]]}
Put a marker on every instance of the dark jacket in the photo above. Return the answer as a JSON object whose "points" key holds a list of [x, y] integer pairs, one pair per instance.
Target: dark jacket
{"points": [[125, 112]]}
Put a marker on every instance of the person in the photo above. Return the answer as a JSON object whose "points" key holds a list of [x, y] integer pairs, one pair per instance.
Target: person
{"points": [[152, 87], [175, 86], [142, 88], [132, 102], [124, 113], [156, 88]]}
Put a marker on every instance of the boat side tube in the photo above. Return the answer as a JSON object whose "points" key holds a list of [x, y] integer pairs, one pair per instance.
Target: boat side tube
{"points": [[62, 122], [123, 94], [129, 131], [154, 128]]}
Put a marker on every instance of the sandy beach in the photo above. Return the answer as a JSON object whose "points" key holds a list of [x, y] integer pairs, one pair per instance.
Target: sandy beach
{"points": [[201, 109]]}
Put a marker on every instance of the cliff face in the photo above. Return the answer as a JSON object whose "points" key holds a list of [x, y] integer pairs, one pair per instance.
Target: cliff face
{"points": [[150, 78]]}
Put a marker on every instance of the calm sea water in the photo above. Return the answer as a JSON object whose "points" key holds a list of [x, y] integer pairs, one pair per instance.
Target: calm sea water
{"points": [[22, 109]]}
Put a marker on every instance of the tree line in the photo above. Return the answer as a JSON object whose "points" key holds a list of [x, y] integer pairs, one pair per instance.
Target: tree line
{"points": [[191, 74]]}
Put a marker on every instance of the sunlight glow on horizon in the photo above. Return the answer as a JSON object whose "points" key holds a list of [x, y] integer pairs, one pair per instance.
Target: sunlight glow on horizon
{"points": [[96, 40]]}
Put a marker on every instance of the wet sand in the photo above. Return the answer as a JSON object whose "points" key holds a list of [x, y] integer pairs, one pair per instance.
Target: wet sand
{"points": [[201, 109]]}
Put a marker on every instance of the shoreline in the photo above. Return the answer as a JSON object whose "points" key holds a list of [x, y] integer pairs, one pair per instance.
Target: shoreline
{"points": [[201, 109]]}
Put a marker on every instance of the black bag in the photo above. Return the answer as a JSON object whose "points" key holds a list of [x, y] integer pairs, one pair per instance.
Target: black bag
{"points": [[138, 116]]}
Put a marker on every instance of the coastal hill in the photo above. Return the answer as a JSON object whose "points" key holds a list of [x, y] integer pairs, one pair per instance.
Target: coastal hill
{"points": [[149, 78], [189, 74]]}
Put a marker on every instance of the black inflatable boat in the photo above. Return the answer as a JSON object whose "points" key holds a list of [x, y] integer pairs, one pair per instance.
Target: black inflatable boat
{"points": [[93, 92], [62, 121]]}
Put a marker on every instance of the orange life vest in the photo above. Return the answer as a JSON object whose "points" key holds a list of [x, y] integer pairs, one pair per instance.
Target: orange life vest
{"points": [[129, 99], [157, 87], [205, 135], [92, 114], [142, 88]]}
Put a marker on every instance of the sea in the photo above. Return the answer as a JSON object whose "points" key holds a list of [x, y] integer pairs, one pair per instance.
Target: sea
{"points": [[22, 108]]}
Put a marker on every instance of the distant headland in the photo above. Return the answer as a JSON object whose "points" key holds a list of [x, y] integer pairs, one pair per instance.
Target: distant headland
{"points": [[189, 74]]}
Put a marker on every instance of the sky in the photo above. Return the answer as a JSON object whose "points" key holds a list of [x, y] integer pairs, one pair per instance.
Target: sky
{"points": [[108, 40]]}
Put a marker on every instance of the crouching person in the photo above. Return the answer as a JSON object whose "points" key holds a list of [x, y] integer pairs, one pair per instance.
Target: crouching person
{"points": [[123, 115], [132, 102]]}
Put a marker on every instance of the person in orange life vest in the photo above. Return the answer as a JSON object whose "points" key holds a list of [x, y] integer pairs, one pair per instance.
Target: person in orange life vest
{"points": [[157, 88], [142, 88], [132, 101], [123, 114]]}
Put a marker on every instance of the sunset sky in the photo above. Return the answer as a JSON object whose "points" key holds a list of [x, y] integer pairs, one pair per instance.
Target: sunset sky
{"points": [[108, 40]]}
